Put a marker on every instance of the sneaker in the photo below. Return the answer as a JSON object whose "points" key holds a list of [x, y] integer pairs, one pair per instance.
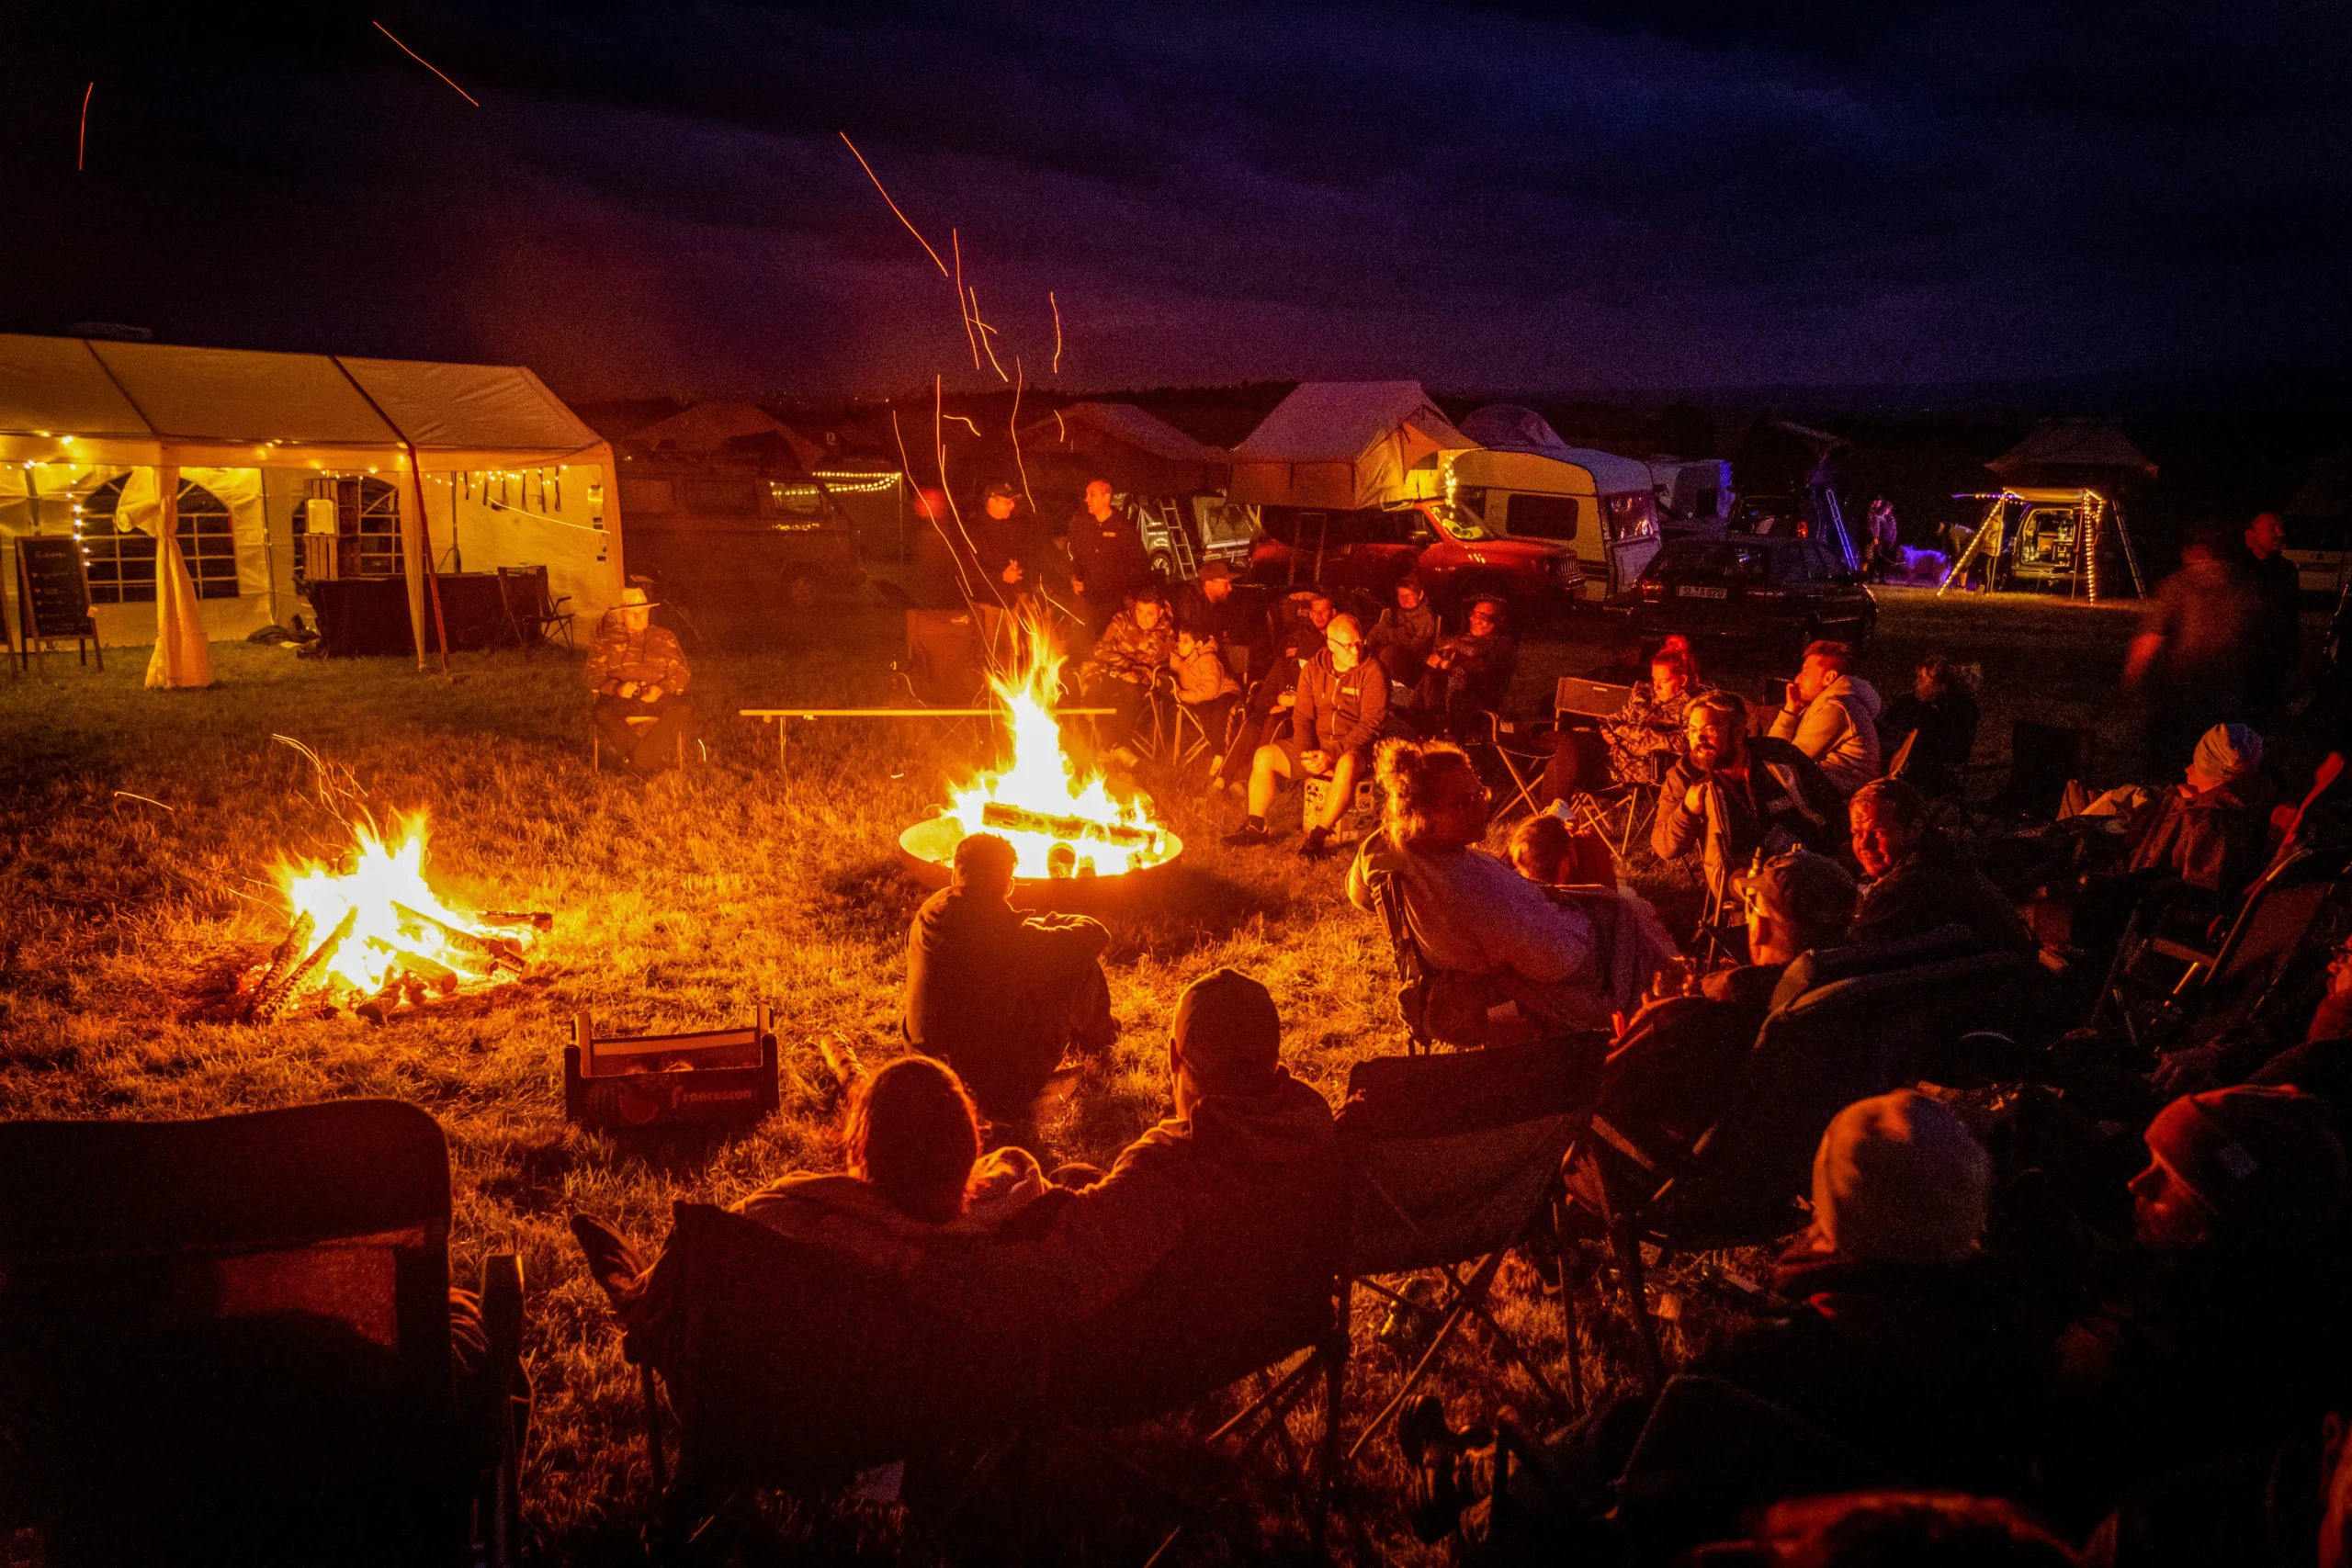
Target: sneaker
{"points": [[1316, 845], [1246, 836], [612, 1262]]}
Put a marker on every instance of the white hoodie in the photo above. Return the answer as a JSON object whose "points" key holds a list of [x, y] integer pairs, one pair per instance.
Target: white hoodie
{"points": [[1838, 729]]}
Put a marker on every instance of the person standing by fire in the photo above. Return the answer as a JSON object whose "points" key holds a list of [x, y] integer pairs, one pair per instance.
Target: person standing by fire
{"points": [[637, 686], [1106, 557]]}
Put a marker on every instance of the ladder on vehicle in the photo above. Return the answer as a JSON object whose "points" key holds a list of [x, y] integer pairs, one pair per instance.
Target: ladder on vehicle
{"points": [[1322, 538], [1835, 517], [1187, 564]]}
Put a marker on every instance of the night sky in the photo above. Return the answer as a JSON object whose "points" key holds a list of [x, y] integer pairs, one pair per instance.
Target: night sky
{"points": [[653, 198]]}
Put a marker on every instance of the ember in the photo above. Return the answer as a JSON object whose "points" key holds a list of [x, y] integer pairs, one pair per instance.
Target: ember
{"points": [[375, 937]]}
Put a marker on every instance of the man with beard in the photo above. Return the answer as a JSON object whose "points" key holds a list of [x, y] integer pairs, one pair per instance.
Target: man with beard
{"points": [[1735, 793]]}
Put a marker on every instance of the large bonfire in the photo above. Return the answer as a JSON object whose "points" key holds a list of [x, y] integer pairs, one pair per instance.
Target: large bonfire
{"points": [[1058, 814]]}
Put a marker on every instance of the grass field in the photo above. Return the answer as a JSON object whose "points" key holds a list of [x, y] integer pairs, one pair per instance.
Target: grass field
{"points": [[138, 836]]}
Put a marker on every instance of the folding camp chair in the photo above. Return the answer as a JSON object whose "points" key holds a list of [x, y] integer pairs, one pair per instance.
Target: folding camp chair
{"points": [[596, 743], [1846, 1023], [2043, 759], [229, 1341], [2166, 988]]}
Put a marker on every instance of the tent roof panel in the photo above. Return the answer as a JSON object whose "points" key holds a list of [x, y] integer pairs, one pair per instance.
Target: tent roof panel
{"points": [[56, 384], [1510, 427], [238, 396], [1143, 430], [2074, 444], [497, 408], [1337, 422]]}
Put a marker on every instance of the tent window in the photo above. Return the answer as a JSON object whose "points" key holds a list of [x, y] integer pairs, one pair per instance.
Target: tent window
{"points": [[121, 558]]}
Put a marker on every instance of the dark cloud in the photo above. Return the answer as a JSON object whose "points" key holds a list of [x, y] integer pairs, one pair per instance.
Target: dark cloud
{"points": [[1609, 193]]}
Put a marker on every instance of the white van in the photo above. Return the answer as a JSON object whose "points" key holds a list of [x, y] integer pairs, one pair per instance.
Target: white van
{"points": [[1598, 502], [1694, 495]]}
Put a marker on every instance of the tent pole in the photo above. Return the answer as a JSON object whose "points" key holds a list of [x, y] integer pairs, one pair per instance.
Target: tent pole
{"points": [[432, 570]]}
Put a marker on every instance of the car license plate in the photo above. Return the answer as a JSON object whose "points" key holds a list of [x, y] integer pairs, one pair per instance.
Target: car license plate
{"points": [[1689, 592]]}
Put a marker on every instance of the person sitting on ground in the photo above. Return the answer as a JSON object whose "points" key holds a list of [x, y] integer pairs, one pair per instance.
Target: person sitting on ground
{"points": [[1640, 739], [637, 671], [1899, 1529], [1207, 688], [1342, 701], [1831, 715], [1468, 673], [2221, 1327], [2213, 829], [999, 995], [1678, 1062], [1118, 675], [1940, 710], [1735, 793], [1406, 632], [1919, 880], [1214, 1238], [1487, 934]]}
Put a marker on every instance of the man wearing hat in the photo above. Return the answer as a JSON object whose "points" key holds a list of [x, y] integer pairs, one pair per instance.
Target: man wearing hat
{"points": [[638, 673], [1677, 1064], [1106, 556], [1014, 558], [2213, 829], [1239, 1194]]}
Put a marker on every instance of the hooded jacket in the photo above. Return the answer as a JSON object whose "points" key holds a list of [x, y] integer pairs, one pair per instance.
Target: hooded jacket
{"points": [[1785, 791], [2215, 838], [1838, 729], [989, 991]]}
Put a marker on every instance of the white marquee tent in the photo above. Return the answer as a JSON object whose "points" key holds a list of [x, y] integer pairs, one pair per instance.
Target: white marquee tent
{"points": [[100, 437], [1344, 444]]}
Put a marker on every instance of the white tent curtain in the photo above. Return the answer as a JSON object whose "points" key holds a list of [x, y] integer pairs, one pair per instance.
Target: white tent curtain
{"points": [[151, 501]]}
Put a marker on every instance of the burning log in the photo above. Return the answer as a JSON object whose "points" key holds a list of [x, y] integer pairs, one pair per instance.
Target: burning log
{"points": [[537, 919], [1020, 819], [291, 952], [271, 1006], [425, 971], [501, 951]]}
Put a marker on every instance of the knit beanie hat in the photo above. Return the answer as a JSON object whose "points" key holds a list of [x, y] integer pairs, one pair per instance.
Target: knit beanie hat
{"points": [[2265, 1160], [1228, 1032], [1803, 889], [1899, 1177], [2228, 752]]}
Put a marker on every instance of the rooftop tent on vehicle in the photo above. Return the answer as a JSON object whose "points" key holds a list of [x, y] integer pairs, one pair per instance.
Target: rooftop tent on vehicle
{"points": [[1342, 445], [1134, 449], [256, 431], [2073, 453]]}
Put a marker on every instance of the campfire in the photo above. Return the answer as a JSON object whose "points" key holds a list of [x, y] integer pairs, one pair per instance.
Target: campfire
{"points": [[374, 938], [1062, 821]]}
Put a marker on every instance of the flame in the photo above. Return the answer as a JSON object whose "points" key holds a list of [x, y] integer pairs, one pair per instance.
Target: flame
{"points": [[384, 880], [1042, 777]]}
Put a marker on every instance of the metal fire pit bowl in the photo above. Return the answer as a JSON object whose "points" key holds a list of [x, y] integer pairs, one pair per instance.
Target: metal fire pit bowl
{"points": [[927, 850]]}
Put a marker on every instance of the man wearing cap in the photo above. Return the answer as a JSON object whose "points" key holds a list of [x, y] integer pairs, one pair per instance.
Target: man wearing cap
{"points": [[1734, 794], [1219, 1230], [2222, 1327], [999, 995], [637, 677], [2213, 829], [1213, 605], [1010, 549], [1920, 880], [1106, 555], [1676, 1066]]}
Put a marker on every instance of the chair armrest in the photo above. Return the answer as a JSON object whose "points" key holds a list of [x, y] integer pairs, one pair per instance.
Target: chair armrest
{"points": [[501, 1310], [1657, 1158], [2181, 953]]}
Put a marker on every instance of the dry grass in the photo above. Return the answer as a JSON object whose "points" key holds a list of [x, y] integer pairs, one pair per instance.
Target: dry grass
{"points": [[683, 902]]}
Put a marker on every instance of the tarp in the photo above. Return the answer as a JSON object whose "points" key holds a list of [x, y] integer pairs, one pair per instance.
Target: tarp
{"points": [[1509, 427], [74, 403], [1134, 449], [1345, 445], [2064, 450]]}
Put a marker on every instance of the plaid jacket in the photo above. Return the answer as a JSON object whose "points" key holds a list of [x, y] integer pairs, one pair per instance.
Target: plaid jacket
{"points": [[651, 658], [1127, 652]]}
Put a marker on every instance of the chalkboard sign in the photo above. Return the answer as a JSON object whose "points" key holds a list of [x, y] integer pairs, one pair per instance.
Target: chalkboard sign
{"points": [[52, 595]]}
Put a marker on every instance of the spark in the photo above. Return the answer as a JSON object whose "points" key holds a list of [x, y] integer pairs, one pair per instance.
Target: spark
{"points": [[1058, 332], [1014, 425], [961, 420], [82, 143], [150, 800], [957, 240], [987, 331], [893, 206], [1060, 428], [963, 583], [426, 63]]}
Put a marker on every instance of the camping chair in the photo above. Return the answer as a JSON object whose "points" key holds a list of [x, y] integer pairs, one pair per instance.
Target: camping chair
{"points": [[2216, 978], [1846, 1023], [531, 609], [596, 743], [2042, 758], [1522, 746], [1412, 970], [229, 1341]]}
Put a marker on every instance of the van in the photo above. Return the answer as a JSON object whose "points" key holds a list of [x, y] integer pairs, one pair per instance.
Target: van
{"points": [[2318, 547], [1597, 503]]}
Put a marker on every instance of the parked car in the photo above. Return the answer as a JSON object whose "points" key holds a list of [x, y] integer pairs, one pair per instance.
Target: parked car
{"points": [[1769, 589], [1457, 557], [2319, 547]]}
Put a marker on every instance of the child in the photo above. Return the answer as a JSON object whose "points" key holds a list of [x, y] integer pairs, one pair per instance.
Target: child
{"points": [[1545, 852], [1205, 686]]}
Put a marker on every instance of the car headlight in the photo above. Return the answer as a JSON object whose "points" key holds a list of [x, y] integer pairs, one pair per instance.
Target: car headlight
{"points": [[1566, 566]]}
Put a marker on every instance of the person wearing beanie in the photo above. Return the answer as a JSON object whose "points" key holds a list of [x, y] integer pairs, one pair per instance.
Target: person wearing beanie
{"points": [[2213, 829], [2221, 1327], [1211, 1245], [1908, 1344]]}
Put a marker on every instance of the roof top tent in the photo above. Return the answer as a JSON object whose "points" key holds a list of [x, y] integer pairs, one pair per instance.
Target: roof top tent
{"points": [[445, 465], [1343, 447], [1520, 479], [1175, 484], [2057, 509]]}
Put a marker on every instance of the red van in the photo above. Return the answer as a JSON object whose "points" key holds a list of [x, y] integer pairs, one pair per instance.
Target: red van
{"points": [[1457, 558]]}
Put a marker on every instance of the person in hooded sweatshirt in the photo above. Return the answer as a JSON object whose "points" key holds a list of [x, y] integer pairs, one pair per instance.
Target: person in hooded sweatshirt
{"points": [[1215, 1236], [999, 995], [1832, 716]]}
